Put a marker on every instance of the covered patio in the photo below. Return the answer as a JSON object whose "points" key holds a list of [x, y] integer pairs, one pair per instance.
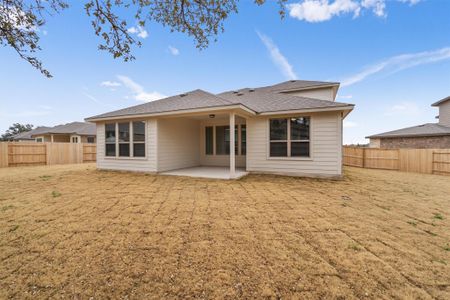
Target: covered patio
{"points": [[205, 145], [208, 172]]}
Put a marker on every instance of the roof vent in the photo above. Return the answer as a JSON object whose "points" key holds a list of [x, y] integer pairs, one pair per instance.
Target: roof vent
{"points": [[293, 80], [183, 95], [235, 92], [239, 94], [251, 90]]}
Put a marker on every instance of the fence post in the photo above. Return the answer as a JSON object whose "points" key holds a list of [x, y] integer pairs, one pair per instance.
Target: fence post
{"points": [[364, 158]]}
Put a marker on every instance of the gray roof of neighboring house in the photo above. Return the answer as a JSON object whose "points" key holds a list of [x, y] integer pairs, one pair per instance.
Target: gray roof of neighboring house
{"points": [[429, 129], [79, 128], [264, 99], [27, 135], [441, 101]]}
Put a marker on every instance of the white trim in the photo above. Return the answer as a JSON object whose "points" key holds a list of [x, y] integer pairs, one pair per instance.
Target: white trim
{"points": [[232, 145], [130, 142], [315, 87], [307, 110], [175, 112]]}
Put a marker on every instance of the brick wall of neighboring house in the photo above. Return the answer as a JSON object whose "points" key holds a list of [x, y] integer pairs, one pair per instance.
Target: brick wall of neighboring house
{"points": [[436, 142]]}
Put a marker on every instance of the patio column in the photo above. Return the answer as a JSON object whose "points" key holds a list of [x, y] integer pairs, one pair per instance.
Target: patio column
{"points": [[51, 137], [232, 142]]}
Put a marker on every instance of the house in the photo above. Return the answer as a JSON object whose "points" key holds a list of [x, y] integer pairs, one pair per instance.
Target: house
{"points": [[429, 135], [26, 135], [291, 128], [75, 132]]}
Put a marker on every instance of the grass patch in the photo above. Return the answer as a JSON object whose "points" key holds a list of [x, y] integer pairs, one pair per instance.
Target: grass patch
{"points": [[413, 223], [14, 228], [45, 177], [56, 194], [6, 207], [354, 247], [438, 216], [447, 247]]}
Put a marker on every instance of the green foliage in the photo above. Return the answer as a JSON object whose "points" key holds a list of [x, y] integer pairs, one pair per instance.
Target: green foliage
{"points": [[15, 129], [413, 223], [202, 20], [438, 216], [56, 194]]}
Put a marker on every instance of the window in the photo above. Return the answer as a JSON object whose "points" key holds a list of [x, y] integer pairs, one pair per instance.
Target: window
{"points": [[243, 140], [125, 139], [139, 139], [110, 139], [209, 140], [39, 140], [222, 140], [90, 139], [290, 137], [74, 139]]}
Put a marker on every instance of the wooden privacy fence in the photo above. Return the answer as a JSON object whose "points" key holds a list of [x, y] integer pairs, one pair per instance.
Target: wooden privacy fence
{"points": [[28, 154], [428, 161]]}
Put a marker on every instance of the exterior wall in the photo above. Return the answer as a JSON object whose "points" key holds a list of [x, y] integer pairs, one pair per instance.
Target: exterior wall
{"points": [[444, 114], [375, 143], [326, 148], [432, 142], [84, 139], [320, 93], [178, 143], [218, 160], [144, 164]]}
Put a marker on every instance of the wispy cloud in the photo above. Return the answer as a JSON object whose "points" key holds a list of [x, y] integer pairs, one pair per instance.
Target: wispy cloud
{"points": [[349, 124], [138, 91], [402, 109], [398, 63], [174, 51], [345, 96], [108, 83], [323, 10], [139, 31], [277, 57]]}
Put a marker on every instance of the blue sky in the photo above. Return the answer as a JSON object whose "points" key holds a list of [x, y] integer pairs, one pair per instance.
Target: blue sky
{"points": [[392, 58]]}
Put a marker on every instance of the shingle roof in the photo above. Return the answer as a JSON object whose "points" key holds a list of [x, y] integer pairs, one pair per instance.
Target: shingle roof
{"points": [[429, 129], [441, 101], [262, 101], [27, 135], [80, 128], [190, 100], [297, 85]]}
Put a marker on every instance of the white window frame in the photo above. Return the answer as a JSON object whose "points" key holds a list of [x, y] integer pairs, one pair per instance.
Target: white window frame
{"points": [[289, 141], [130, 143], [39, 139]]}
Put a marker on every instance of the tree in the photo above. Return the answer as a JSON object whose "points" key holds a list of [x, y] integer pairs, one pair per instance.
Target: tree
{"points": [[203, 20], [14, 129]]}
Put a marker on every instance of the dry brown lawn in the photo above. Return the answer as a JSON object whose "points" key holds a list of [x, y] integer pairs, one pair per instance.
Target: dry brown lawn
{"points": [[75, 232]]}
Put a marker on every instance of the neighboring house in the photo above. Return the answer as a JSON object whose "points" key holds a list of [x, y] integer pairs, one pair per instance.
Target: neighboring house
{"points": [[291, 128], [75, 132], [430, 135], [26, 136]]}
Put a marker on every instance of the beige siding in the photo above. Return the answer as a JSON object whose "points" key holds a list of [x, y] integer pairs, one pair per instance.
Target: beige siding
{"points": [[444, 113], [218, 160], [322, 93], [147, 164], [326, 148], [178, 143]]}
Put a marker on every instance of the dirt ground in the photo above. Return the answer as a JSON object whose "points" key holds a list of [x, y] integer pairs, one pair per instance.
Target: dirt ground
{"points": [[75, 232]]}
